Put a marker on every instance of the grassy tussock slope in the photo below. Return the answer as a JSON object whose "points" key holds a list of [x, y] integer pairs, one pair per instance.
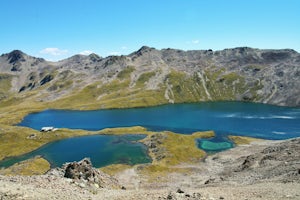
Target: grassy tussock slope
{"points": [[34, 166]]}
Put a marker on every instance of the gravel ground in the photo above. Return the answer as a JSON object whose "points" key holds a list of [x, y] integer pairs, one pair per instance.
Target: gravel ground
{"points": [[47, 187]]}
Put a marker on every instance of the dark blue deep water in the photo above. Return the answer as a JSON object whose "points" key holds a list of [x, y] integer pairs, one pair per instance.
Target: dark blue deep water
{"points": [[225, 118], [237, 118]]}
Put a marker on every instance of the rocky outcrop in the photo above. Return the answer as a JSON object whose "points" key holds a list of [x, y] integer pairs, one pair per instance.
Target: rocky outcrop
{"points": [[46, 79], [84, 175]]}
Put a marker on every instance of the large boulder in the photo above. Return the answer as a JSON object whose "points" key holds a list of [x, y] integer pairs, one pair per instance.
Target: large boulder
{"points": [[84, 174]]}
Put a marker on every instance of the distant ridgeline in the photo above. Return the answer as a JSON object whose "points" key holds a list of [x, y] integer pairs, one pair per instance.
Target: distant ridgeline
{"points": [[152, 77]]}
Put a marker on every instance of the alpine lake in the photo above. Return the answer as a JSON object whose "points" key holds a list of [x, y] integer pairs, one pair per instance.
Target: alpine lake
{"points": [[224, 118]]}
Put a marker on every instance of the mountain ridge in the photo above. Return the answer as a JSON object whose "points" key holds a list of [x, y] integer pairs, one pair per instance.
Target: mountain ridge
{"points": [[169, 75], [146, 48]]}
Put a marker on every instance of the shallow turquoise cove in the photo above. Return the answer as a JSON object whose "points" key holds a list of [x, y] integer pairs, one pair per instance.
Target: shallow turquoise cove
{"points": [[215, 146]]}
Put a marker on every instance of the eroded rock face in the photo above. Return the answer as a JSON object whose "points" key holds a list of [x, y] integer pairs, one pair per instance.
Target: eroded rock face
{"points": [[80, 170], [84, 174], [46, 79]]}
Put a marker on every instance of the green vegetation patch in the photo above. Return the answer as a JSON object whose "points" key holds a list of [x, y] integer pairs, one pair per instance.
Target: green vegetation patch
{"points": [[224, 86], [185, 88], [182, 148], [60, 85], [115, 94], [5, 85], [144, 78], [124, 130], [133, 98], [88, 97], [125, 73]]}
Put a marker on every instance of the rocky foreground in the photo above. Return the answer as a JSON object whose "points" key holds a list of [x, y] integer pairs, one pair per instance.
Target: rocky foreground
{"points": [[261, 170]]}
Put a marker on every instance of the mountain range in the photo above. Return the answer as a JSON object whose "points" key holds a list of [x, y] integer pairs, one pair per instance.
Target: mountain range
{"points": [[152, 77]]}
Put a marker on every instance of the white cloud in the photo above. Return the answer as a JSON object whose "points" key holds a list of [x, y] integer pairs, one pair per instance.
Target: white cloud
{"points": [[54, 51], [123, 47], [86, 52]]}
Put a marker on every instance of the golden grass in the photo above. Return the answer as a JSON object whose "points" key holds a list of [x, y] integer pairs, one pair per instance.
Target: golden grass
{"points": [[124, 130], [33, 166], [182, 148], [125, 73], [224, 86], [186, 88], [144, 78], [115, 94], [242, 140], [5, 82], [115, 168], [13, 114]]}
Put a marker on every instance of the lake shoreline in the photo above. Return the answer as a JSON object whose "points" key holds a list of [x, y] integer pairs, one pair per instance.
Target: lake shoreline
{"points": [[18, 140]]}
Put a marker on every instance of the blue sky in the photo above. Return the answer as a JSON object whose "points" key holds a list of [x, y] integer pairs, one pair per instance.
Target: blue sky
{"points": [[56, 29]]}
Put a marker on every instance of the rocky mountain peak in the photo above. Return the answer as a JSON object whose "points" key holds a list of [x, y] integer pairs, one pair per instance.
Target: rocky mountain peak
{"points": [[95, 57], [142, 50], [145, 48], [15, 56]]}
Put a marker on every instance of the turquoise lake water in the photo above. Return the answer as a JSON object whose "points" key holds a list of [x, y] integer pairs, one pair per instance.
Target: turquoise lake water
{"points": [[101, 149], [225, 118]]}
